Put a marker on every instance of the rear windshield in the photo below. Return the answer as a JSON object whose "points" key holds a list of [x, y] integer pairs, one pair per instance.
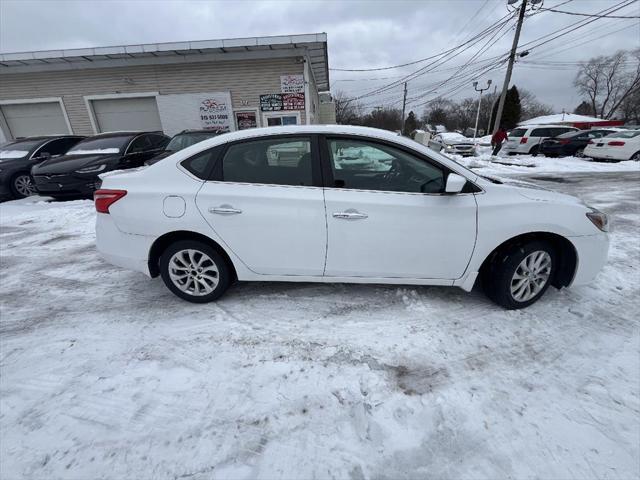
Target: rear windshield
{"points": [[184, 140], [518, 132], [100, 145], [628, 134]]}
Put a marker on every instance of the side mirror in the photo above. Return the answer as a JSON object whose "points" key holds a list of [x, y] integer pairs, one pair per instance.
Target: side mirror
{"points": [[455, 183]]}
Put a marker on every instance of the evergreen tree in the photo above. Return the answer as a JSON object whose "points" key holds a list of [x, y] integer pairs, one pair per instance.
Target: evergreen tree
{"points": [[511, 111], [410, 124]]}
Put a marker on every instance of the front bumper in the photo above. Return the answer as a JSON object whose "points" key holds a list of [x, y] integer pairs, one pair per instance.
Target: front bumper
{"points": [[592, 251], [122, 249], [66, 184]]}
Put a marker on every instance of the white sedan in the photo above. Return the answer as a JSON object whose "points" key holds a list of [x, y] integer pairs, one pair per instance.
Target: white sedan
{"points": [[246, 206], [623, 145]]}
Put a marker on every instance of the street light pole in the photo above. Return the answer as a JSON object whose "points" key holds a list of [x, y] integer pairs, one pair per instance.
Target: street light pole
{"points": [[475, 86]]}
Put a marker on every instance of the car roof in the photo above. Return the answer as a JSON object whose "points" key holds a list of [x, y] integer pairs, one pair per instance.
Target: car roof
{"points": [[35, 138], [545, 126], [124, 133], [202, 130]]}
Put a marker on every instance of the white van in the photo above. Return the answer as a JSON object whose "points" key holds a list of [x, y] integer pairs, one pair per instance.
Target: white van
{"points": [[527, 139]]}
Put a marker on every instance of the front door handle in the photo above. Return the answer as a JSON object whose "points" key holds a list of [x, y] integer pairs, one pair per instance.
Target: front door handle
{"points": [[225, 210], [350, 215]]}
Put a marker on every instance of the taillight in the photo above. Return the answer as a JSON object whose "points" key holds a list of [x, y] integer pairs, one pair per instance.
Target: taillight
{"points": [[591, 142], [564, 141], [616, 143], [523, 140], [105, 198]]}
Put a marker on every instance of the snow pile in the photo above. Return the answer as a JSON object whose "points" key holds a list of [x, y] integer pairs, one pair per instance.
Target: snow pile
{"points": [[105, 374], [486, 163]]}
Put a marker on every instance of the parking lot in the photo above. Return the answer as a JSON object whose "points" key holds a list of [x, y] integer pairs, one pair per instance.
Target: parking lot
{"points": [[103, 370]]}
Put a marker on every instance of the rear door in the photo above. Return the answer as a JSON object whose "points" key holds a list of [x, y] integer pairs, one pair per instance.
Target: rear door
{"points": [[387, 216], [266, 203]]}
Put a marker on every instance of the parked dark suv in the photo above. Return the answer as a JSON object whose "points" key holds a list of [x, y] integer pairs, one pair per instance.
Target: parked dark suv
{"points": [[181, 140], [571, 143], [76, 173], [19, 156]]}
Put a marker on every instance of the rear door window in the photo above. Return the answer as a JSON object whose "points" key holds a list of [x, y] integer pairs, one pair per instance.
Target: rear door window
{"points": [[540, 132], [275, 161]]}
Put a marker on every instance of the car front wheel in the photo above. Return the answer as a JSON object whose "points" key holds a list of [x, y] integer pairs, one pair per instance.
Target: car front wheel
{"points": [[519, 276], [194, 271], [22, 186]]}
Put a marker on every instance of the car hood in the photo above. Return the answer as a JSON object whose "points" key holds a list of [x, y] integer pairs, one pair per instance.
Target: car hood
{"points": [[530, 191], [458, 142], [71, 163]]}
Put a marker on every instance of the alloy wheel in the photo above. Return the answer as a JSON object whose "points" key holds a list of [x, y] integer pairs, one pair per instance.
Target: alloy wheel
{"points": [[24, 186], [579, 153], [193, 272], [531, 275]]}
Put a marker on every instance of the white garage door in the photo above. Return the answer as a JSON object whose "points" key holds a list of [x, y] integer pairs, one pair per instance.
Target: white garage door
{"points": [[27, 119], [126, 114]]}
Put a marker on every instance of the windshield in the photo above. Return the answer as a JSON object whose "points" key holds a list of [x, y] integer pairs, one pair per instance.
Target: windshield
{"points": [[629, 134], [18, 149], [100, 145], [184, 140]]}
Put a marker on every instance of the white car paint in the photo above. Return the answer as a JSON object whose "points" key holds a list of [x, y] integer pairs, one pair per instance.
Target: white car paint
{"points": [[621, 145], [527, 138], [453, 143], [290, 233]]}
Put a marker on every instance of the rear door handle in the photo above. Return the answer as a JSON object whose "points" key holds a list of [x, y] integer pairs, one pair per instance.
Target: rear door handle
{"points": [[350, 215], [225, 210]]}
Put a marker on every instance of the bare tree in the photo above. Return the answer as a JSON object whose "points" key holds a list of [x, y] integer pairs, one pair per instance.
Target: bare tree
{"points": [[607, 82], [531, 106], [348, 111], [386, 118]]}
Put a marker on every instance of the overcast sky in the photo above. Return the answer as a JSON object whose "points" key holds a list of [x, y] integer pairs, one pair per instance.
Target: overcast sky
{"points": [[360, 35]]}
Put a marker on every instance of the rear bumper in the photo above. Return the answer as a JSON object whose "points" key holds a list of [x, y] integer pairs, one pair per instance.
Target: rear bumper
{"points": [[560, 150], [593, 251], [122, 249], [66, 185], [605, 154]]}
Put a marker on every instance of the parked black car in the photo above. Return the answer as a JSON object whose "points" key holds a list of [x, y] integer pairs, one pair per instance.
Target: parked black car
{"points": [[76, 173], [571, 143], [181, 140], [19, 156]]}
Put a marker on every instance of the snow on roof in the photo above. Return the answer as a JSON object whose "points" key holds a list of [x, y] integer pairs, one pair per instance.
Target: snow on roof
{"points": [[560, 118]]}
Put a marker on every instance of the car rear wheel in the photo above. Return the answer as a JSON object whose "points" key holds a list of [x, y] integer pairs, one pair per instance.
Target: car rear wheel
{"points": [[534, 150], [579, 153], [519, 276], [635, 156], [194, 271], [22, 185]]}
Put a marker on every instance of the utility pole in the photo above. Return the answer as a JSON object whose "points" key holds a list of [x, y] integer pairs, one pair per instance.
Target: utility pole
{"points": [[495, 89], [404, 105], [475, 87], [512, 58]]}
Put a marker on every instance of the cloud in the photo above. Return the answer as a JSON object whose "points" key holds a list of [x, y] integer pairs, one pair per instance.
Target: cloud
{"points": [[361, 34]]}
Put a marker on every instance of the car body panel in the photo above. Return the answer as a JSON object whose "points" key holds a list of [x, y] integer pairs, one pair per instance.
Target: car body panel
{"points": [[396, 244]]}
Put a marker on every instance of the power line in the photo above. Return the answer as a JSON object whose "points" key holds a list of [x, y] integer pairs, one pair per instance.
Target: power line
{"points": [[589, 14]]}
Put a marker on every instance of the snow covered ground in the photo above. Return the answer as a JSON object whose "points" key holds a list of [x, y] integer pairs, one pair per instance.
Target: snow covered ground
{"points": [[105, 374]]}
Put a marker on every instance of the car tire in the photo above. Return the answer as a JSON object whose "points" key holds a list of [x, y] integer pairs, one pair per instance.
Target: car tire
{"points": [[635, 156], [194, 271], [21, 185], [579, 153], [534, 150], [518, 276]]}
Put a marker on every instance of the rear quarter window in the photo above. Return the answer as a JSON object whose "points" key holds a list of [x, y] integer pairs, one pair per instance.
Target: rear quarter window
{"points": [[202, 164]]}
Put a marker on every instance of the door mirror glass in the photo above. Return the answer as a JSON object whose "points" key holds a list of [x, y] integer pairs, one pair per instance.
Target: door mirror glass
{"points": [[455, 183]]}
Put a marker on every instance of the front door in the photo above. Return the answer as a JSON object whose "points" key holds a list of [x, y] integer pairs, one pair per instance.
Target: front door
{"points": [[267, 205], [387, 216]]}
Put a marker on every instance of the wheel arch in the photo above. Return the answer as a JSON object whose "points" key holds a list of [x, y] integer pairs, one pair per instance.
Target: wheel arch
{"points": [[162, 242], [565, 252]]}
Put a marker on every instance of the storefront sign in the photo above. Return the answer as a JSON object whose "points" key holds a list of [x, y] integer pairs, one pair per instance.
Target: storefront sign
{"points": [[245, 120], [291, 83], [271, 102], [293, 101], [215, 113]]}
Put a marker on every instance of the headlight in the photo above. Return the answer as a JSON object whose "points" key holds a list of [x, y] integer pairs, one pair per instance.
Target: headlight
{"points": [[448, 147], [599, 219], [92, 169]]}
